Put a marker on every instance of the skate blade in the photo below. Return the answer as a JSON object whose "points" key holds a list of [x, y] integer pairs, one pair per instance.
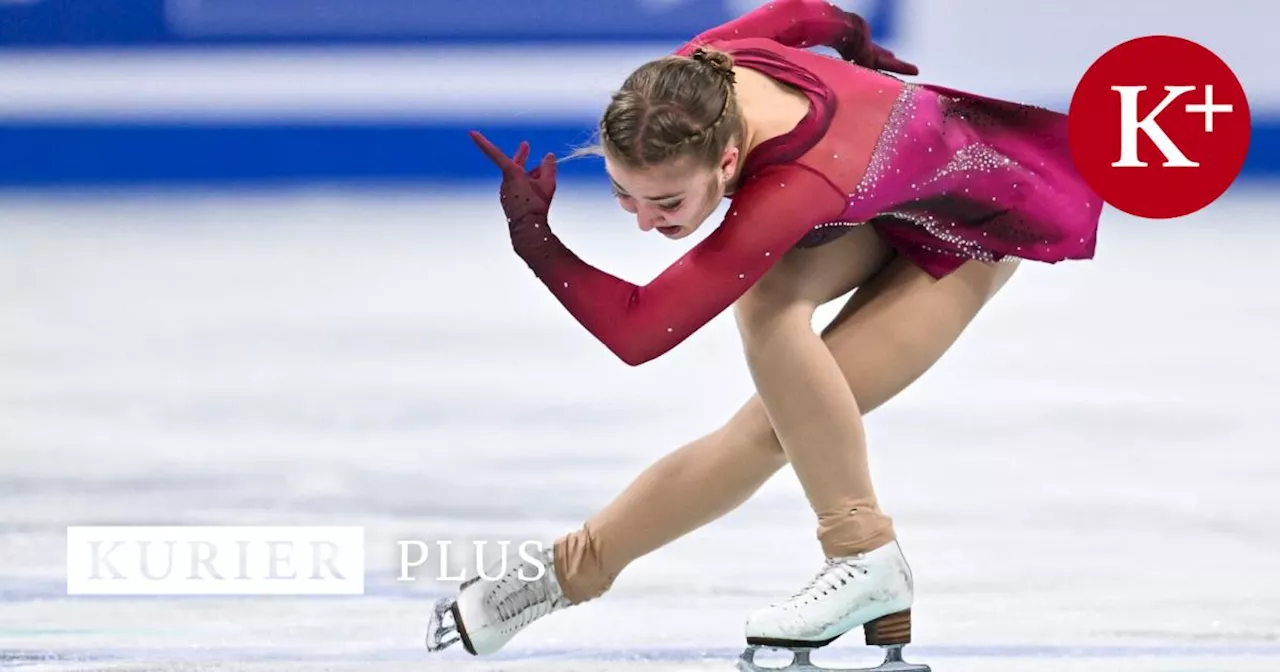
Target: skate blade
{"points": [[442, 631], [800, 662]]}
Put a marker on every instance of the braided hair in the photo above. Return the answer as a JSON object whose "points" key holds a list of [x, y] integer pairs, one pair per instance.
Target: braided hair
{"points": [[671, 108]]}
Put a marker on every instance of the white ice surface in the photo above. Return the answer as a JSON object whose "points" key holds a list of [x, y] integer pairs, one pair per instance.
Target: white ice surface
{"points": [[1089, 480]]}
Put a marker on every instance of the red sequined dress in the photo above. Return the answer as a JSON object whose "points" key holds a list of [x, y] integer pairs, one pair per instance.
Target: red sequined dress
{"points": [[944, 176]]}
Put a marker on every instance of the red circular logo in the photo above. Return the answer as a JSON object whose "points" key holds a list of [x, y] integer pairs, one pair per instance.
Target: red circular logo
{"points": [[1159, 127]]}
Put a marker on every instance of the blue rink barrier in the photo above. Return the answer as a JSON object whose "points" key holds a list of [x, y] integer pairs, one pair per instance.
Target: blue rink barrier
{"points": [[141, 141], [82, 154], [104, 154], [70, 24]]}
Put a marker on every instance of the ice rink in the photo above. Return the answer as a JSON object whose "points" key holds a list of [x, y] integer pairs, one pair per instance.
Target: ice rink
{"points": [[1089, 480]]}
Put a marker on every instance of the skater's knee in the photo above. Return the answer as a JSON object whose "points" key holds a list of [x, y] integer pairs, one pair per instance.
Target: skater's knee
{"points": [[761, 311], [777, 296]]}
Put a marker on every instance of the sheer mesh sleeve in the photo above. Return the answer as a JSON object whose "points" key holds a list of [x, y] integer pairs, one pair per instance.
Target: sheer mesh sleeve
{"points": [[793, 23], [772, 212]]}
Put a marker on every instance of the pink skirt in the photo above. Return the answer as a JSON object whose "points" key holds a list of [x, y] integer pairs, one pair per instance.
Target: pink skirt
{"points": [[992, 179]]}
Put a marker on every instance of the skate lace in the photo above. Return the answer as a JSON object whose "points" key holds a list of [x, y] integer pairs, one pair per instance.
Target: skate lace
{"points": [[835, 573], [532, 600]]}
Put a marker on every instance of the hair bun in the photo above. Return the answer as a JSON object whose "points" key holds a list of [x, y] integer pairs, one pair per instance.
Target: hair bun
{"points": [[720, 61]]}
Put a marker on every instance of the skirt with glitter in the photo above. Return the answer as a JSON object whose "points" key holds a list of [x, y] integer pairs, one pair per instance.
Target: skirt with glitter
{"points": [[982, 179]]}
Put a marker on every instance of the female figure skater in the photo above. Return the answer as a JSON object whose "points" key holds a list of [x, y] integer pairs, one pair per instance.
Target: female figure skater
{"points": [[841, 176]]}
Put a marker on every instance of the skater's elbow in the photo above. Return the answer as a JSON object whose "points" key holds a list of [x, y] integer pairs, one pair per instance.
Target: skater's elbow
{"points": [[635, 353], [635, 356], [638, 341]]}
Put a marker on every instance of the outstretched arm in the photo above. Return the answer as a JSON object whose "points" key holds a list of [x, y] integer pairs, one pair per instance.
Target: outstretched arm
{"points": [[808, 23], [641, 322]]}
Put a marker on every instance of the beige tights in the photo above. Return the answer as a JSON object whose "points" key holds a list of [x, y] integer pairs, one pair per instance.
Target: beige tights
{"points": [[892, 330]]}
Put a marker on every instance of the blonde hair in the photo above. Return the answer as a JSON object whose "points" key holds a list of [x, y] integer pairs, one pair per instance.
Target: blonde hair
{"points": [[671, 108]]}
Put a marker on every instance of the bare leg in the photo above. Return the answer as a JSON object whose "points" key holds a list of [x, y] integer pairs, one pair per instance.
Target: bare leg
{"points": [[705, 479]]}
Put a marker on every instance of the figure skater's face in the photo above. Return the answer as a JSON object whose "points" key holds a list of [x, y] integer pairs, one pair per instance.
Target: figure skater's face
{"points": [[673, 198]]}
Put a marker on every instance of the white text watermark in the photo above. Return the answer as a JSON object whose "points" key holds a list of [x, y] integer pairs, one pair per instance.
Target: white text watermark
{"points": [[489, 564], [212, 560]]}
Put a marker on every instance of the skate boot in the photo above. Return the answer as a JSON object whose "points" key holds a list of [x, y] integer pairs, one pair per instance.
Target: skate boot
{"points": [[488, 613], [873, 590]]}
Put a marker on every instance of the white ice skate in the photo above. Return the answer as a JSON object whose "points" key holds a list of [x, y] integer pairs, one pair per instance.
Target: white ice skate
{"points": [[488, 613], [873, 590]]}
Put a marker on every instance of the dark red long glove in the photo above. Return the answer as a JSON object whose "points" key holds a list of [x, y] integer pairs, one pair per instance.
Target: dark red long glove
{"points": [[808, 23], [856, 46], [526, 196]]}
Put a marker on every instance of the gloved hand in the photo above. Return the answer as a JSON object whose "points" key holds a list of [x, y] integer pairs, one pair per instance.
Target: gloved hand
{"points": [[526, 196], [858, 48]]}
